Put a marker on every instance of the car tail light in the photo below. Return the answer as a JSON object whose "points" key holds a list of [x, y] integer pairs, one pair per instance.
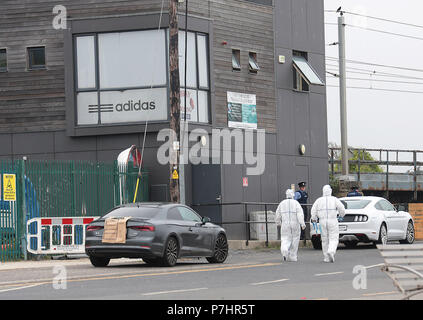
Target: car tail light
{"points": [[143, 228], [94, 228]]}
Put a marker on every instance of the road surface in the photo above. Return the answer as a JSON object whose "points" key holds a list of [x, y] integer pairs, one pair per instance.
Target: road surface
{"points": [[246, 275]]}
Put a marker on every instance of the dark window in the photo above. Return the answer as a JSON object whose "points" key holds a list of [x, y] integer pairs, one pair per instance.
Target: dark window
{"points": [[386, 206], [3, 60], [300, 83], [252, 61], [355, 204], [236, 59], [139, 212], [36, 58], [173, 214], [189, 215]]}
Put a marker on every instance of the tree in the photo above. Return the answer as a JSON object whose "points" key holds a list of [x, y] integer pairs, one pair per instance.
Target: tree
{"points": [[356, 154]]}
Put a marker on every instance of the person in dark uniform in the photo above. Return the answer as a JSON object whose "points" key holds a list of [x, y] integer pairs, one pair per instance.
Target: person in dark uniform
{"points": [[301, 196], [354, 192]]}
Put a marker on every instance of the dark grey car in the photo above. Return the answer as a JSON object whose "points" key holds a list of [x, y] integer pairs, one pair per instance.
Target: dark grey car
{"points": [[159, 233]]}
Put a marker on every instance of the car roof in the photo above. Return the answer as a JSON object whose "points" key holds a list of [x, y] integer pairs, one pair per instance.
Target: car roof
{"points": [[371, 198], [149, 205]]}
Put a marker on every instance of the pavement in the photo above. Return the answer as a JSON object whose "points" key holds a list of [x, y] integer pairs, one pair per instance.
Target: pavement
{"points": [[82, 259]]}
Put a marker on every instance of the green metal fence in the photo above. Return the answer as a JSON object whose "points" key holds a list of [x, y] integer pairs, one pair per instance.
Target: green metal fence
{"points": [[11, 222], [62, 189]]}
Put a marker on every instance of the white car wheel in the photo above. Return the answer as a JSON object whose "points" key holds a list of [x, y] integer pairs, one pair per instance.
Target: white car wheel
{"points": [[409, 238], [383, 234]]}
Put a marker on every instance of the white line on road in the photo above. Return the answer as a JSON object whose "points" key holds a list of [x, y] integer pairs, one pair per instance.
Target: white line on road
{"points": [[379, 293], [267, 282], [328, 274], [173, 291], [12, 289]]}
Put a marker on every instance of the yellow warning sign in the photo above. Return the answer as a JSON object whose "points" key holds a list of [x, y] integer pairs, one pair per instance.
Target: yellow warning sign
{"points": [[9, 187], [175, 175]]}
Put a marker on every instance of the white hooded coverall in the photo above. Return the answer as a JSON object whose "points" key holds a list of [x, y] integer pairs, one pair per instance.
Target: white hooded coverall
{"points": [[326, 209], [290, 216]]}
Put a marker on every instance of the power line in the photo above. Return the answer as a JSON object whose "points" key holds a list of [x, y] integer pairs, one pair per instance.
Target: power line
{"points": [[385, 32], [376, 80], [377, 65], [380, 19], [379, 89], [376, 30], [373, 72]]}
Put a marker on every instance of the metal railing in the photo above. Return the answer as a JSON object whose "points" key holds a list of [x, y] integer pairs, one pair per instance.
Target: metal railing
{"points": [[247, 222], [51, 188], [386, 159]]}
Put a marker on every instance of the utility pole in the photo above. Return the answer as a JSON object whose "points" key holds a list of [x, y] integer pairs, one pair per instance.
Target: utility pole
{"points": [[175, 97], [343, 94], [183, 153]]}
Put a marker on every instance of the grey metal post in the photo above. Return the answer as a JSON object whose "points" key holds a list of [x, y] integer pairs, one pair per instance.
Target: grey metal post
{"points": [[415, 176], [267, 230], [24, 212], [183, 155], [343, 94]]}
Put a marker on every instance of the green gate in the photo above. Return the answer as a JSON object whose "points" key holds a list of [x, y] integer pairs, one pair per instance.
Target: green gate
{"points": [[11, 218], [62, 189]]}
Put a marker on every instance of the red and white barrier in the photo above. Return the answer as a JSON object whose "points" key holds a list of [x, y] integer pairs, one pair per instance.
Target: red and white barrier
{"points": [[57, 235]]}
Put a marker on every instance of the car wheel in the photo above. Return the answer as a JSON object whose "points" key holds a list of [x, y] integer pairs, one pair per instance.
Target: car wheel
{"points": [[220, 250], [170, 255], [351, 244], [409, 238], [99, 262], [383, 235], [316, 242]]}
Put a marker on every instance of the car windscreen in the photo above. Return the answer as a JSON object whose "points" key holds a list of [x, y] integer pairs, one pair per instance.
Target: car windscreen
{"points": [[355, 204], [136, 212]]}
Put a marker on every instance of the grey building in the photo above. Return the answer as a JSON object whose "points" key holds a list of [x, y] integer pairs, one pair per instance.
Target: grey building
{"points": [[79, 80]]}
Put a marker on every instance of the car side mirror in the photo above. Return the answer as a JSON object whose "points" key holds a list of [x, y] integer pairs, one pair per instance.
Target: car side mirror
{"points": [[204, 220]]}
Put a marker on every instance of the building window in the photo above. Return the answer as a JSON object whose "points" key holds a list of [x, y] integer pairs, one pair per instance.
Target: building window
{"points": [[3, 60], [252, 60], [197, 81], [304, 74], [121, 77], [36, 58], [236, 59]]}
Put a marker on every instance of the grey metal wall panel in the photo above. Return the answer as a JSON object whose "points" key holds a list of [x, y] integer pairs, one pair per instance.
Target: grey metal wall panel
{"points": [[318, 129], [315, 26], [80, 155], [319, 172], [301, 120], [64, 143], [299, 25], [284, 72], [287, 174], [37, 142], [119, 142], [270, 183], [283, 24], [6, 144], [286, 124]]}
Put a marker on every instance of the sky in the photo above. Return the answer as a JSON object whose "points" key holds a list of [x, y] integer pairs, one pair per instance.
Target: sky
{"points": [[377, 119]]}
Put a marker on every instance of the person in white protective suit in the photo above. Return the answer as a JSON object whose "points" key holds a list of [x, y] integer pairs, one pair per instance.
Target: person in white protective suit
{"points": [[290, 217], [327, 209]]}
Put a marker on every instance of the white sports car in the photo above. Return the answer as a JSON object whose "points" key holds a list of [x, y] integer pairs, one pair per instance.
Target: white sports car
{"points": [[369, 219]]}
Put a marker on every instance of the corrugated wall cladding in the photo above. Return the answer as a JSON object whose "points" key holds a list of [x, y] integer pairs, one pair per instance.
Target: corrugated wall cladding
{"points": [[35, 100]]}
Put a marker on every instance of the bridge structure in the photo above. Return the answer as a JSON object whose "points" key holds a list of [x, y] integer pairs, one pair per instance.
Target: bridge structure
{"points": [[396, 175]]}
